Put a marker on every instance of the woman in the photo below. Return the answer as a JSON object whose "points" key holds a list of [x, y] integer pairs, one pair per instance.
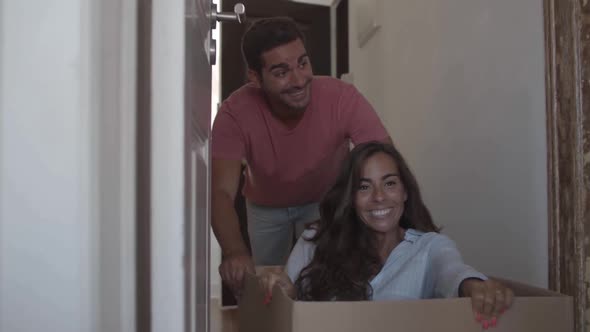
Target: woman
{"points": [[375, 240]]}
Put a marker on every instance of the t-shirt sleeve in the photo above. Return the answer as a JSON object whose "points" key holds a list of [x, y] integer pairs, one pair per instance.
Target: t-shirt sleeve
{"points": [[362, 123], [448, 269], [227, 138]]}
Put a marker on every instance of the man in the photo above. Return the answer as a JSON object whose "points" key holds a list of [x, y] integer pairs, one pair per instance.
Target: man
{"points": [[292, 130]]}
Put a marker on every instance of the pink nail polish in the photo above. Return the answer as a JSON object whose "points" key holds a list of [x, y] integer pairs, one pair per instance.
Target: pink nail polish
{"points": [[478, 317], [494, 322], [485, 325]]}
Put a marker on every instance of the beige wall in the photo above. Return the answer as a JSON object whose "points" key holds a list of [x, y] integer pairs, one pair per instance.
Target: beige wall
{"points": [[460, 86]]}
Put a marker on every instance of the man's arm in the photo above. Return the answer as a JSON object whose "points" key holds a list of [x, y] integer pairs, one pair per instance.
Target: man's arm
{"points": [[361, 121], [224, 186], [235, 256]]}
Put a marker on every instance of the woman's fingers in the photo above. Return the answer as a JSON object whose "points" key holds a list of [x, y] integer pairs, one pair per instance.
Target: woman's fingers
{"points": [[508, 298], [269, 280], [489, 300]]}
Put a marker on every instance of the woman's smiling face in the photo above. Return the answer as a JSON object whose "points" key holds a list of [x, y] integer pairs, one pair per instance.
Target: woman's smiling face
{"points": [[379, 199]]}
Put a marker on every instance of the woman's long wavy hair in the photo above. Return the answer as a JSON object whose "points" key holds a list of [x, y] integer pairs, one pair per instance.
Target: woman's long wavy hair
{"points": [[345, 257]]}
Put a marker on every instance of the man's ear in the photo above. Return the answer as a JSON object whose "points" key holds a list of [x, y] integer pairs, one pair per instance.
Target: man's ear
{"points": [[254, 77]]}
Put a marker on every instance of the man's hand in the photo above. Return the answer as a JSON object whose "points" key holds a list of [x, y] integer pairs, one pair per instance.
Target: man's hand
{"points": [[233, 269]]}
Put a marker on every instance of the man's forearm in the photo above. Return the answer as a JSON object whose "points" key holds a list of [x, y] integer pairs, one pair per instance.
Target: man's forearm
{"points": [[226, 225]]}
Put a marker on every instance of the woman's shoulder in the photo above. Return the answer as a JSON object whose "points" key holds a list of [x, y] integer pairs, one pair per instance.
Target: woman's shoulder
{"points": [[301, 254], [427, 238], [305, 243], [308, 233]]}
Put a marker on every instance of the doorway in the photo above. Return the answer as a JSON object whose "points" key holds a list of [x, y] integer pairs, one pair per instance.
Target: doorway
{"points": [[315, 23]]}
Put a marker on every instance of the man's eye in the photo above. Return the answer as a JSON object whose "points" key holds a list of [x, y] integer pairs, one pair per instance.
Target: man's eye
{"points": [[303, 64], [280, 73]]}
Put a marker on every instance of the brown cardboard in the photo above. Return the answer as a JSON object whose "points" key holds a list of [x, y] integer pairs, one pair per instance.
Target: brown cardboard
{"points": [[534, 310]]}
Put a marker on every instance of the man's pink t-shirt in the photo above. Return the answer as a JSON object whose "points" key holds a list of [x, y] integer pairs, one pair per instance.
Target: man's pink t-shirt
{"points": [[291, 167]]}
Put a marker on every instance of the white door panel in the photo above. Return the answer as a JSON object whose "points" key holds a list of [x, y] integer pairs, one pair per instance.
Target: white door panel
{"points": [[180, 176]]}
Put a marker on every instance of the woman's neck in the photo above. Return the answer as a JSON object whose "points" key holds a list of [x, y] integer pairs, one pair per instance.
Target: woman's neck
{"points": [[386, 242]]}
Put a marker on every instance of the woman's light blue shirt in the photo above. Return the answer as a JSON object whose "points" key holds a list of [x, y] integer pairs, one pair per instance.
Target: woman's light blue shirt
{"points": [[422, 266]]}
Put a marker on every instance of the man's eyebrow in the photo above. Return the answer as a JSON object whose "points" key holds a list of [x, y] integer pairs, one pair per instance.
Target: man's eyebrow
{"points": [[301, 57], [279, 65], [285, 66]]}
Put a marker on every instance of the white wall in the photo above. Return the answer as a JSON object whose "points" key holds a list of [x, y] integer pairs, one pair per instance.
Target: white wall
{"points": [[460, 86], [116, 55], [48, 253], [66, 165]]}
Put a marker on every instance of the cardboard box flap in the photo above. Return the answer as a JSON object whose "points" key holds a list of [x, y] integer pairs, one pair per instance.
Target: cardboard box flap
{"points": [[254, 315], [534, 314], [539, 311], [521, 289]]}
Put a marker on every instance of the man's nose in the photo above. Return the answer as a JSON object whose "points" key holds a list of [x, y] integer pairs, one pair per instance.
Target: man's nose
{"points": [[298, 78]]}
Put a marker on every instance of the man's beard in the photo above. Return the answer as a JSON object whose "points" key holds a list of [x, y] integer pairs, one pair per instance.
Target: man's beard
{"points": [[286, 96]]}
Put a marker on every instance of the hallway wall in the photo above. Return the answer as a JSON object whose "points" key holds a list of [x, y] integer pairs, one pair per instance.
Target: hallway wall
{"points": [[460, 87]]}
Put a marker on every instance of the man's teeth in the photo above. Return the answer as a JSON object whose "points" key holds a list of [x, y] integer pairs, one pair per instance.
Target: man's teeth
{"points": [[379, 213]]}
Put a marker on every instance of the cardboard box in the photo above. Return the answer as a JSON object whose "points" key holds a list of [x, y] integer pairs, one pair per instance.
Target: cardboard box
{"points": [[534, 310]]}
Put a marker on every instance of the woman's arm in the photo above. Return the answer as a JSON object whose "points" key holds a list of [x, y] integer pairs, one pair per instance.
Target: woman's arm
{"points": [[301, 255], [452, 277], [447, 269], [299, 258]]}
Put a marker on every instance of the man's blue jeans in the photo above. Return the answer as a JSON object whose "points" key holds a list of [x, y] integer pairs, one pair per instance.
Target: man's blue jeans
{"points": [[272, 230]]}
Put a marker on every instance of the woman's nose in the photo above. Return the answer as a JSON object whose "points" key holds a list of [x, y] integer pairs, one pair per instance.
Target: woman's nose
{"points": [[378, 195]]}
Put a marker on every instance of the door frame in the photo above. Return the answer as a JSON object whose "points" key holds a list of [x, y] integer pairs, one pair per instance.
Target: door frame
{"points": [[567, 43], [113, 26], [143, 168]]}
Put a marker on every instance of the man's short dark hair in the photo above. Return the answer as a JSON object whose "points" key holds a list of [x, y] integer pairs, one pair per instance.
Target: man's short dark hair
{"points": [[264, 35]]}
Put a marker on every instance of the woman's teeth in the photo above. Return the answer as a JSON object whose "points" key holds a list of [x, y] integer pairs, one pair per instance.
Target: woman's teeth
{"points": [[380, 213]]}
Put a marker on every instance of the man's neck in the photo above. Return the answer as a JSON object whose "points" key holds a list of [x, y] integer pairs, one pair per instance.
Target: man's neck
{"points": [[288, 117]]}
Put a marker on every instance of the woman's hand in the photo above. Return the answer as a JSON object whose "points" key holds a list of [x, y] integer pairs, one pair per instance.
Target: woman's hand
{"points": [[489, 299], [268, 279]]}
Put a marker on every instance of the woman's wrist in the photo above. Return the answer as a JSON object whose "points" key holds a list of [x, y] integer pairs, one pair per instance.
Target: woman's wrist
{"points": [[466, 285]]}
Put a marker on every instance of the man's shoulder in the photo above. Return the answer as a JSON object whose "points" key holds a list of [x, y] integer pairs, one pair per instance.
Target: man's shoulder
{"points": [[245, 99], [329, 84]]}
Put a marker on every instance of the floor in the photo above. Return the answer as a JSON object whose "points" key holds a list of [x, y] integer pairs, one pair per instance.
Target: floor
{"points": [[223, 320]]}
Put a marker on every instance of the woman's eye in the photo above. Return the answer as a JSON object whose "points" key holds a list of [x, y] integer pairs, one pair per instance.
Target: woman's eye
{"points": [[390, 183], [363, 187]]}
